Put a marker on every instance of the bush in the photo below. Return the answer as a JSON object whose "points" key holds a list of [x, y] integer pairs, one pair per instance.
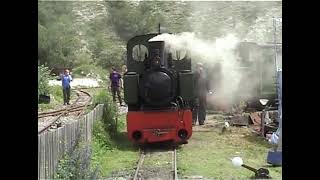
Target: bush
{"points": [[110, 115], [101, 136], [57, 93], [43, 80], [76, 165]]}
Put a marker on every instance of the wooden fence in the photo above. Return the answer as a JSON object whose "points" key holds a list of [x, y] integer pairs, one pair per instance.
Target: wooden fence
{"points": [[53, 144]]}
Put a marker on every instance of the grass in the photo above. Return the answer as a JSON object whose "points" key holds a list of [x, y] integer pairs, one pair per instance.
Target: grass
{"points": [[56, 98], [208, 154], [120, 155]]}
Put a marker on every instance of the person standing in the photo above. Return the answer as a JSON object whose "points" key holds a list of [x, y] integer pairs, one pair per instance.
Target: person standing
{"points": [[201, 90], [115, 79], [66, 79]]}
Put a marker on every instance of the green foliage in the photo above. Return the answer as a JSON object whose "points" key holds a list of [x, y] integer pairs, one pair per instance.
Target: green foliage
{"points": [[211, 19], [101, 136], [130, 20], [110, 115], [76, 165], [106, 49], [43, 80], [104, 150], [56, 96], [57, 38], [70, 36], [82, 58], [108, 141], [105, 129], [56, 92]]}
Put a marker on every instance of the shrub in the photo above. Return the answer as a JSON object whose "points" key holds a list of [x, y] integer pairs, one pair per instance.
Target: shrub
{"points": [[43, 80]]}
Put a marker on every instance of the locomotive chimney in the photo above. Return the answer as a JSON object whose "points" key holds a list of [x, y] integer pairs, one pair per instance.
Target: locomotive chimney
{"points": [[157, 54]]}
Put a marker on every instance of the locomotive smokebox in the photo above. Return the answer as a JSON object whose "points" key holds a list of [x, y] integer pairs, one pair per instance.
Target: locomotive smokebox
{"points": [[157, 54]]}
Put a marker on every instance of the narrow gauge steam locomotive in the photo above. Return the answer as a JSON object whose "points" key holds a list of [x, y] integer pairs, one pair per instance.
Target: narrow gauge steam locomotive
{"points": [[158, 89]]}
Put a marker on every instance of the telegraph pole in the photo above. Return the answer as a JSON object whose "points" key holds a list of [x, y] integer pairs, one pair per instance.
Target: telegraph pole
{"points": [[275, 42], [275, 157], [279, 76]]}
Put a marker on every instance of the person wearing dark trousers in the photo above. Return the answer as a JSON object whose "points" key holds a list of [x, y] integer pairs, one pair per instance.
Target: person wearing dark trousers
{"points": [[201, 90], [115, 79], [66, 79]]}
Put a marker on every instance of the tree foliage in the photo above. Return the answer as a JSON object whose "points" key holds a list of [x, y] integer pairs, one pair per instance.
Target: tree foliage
{"points": [[95, 33], [211, 19], [57, 38], [43, 80]]}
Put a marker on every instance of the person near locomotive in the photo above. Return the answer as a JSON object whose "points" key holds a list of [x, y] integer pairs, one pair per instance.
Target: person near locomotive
{"points": [[116, 83], [202, 88], [66, 88]]}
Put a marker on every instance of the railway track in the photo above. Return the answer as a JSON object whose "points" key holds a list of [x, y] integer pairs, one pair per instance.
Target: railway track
{"points": [[157, 170], [76, 108]]}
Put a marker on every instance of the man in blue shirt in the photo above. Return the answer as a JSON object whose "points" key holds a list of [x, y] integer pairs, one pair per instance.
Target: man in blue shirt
{"points": [[66, 79]]}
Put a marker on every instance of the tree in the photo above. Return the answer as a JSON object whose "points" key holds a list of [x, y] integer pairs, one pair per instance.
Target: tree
{"points": [[57, 38]]}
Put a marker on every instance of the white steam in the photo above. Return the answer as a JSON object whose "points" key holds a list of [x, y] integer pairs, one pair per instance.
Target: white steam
{"points": [[220, 51]]}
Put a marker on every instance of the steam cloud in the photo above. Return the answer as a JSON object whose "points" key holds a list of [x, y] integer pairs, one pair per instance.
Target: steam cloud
{"points": [[221, 52]]}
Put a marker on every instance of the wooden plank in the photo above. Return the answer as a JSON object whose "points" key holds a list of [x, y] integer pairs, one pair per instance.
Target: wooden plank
{"points": [[84, 129], [98, 112], [101, 110], [39, 156], [86, 126], [46, 155], [80, 129], [55, 150], [92, 115], [71, 136], [77, 130], [73, 130], [68, 138], [42, 168], [63, 141], [58, 143], [50, 155], [90, 128], [74, 134]]}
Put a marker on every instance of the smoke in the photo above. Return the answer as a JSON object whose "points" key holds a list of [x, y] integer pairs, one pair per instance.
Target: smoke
{"points": [[236, 22], [214, 54]]}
